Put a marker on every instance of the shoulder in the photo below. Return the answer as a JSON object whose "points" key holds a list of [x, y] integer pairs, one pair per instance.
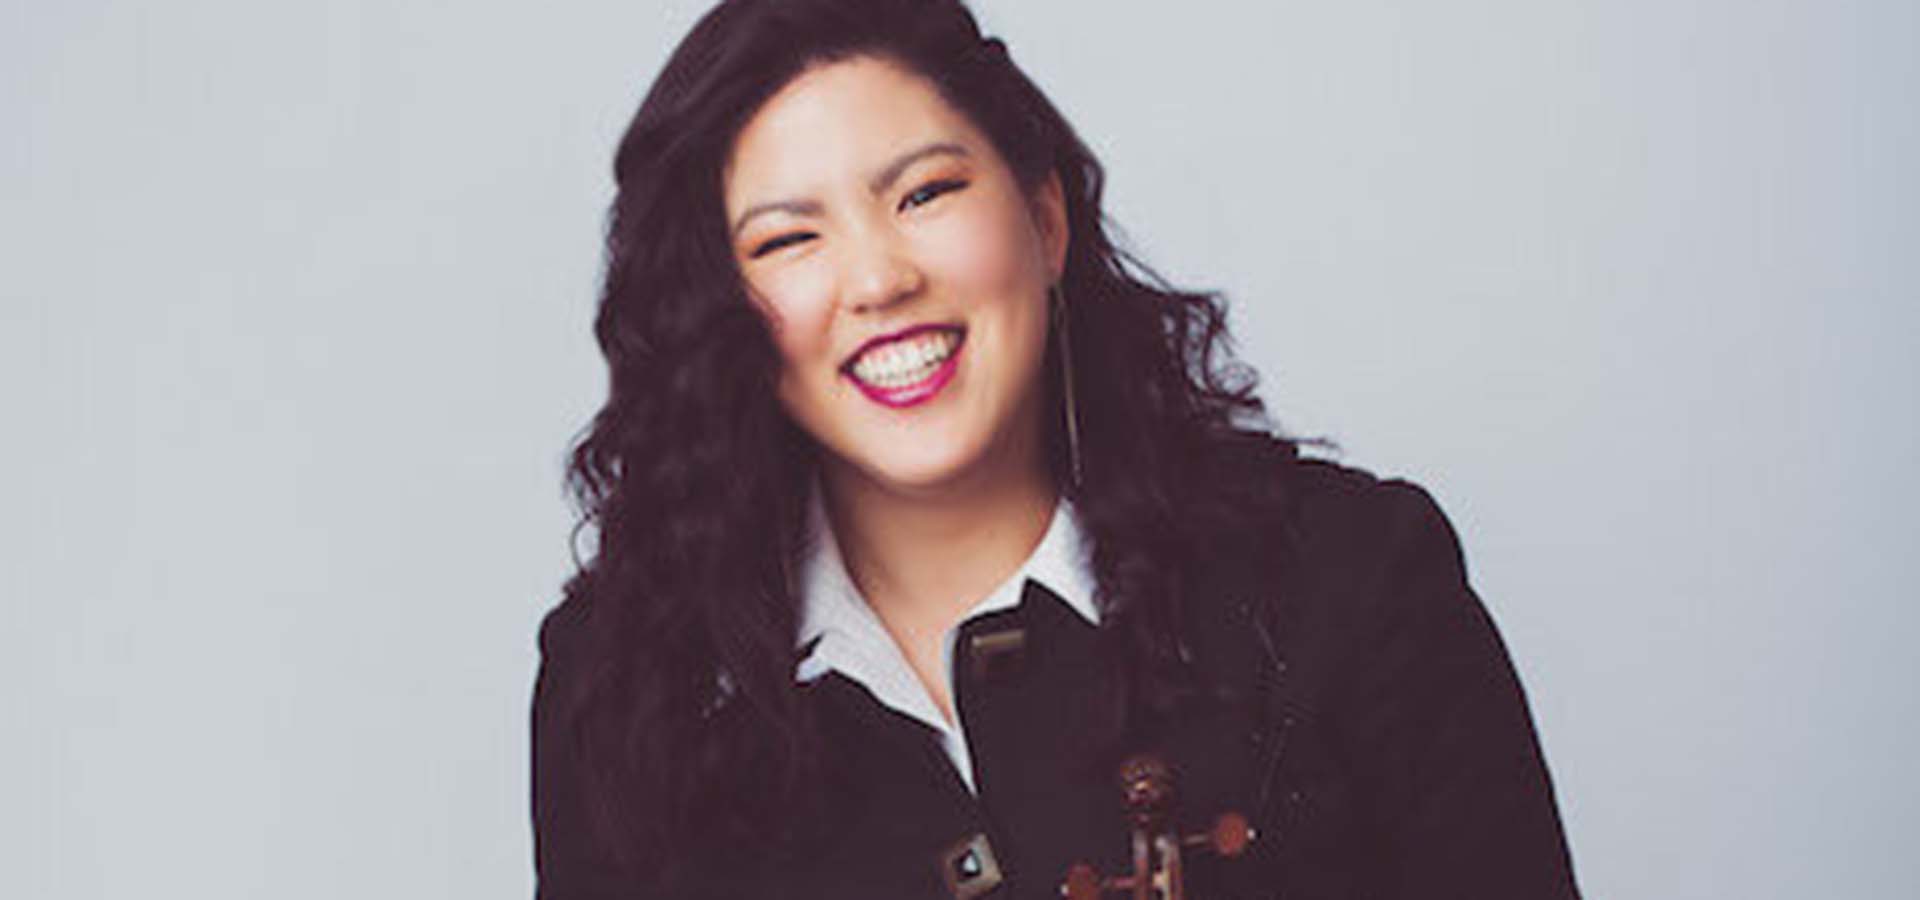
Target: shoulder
{"points": [[1347, 515], [567, 630], [1326, 514], [561, 626], [562, 680], [1346, 554]]}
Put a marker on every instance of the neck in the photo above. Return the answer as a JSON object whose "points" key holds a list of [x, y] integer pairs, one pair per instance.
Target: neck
{"points": [[922, 558]]}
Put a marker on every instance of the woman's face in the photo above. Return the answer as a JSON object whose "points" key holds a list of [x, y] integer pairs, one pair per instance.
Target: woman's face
{"points": [[904, 272]]}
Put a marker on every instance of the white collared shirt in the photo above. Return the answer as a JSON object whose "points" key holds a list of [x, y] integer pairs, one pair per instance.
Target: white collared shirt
{"points": [[854, 643]]}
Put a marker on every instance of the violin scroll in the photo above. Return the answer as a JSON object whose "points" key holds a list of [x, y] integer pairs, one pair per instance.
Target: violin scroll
{"points": [[1147, 789]]}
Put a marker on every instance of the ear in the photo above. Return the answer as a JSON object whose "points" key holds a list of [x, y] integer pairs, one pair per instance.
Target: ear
{"points": [[1049, 204]]}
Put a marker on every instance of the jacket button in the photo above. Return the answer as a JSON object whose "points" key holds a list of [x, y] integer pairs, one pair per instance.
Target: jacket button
{"points": [[995, 651], [968, 868]]}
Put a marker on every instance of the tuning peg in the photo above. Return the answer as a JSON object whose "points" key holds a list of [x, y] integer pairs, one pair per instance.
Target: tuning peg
{"points": [[1229, 837], [1083, 883]]}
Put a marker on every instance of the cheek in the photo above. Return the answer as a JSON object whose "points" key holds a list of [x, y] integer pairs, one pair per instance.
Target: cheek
{"points": [[799, 309], [989, 250], [995, 266], [798, 304]]}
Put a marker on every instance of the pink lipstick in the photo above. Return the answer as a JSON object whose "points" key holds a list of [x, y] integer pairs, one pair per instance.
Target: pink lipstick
{"points": [[909, 367]]}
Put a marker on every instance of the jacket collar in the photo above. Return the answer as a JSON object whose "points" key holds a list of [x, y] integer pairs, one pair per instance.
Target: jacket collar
{"points": [[850, 637]]}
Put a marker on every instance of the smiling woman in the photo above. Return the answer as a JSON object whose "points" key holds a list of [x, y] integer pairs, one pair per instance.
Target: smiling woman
{"points": [[905, 269], [943, 551]]}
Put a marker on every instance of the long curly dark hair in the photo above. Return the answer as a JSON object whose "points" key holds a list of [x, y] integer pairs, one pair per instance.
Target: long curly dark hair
{"points": [[670, 665]]}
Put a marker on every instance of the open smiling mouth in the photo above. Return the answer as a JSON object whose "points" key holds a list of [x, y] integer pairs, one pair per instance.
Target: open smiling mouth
{"points": [[908, 368]]}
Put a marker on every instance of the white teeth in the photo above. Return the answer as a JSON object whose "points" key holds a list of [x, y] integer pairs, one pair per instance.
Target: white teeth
{"points": [[905, 362]]}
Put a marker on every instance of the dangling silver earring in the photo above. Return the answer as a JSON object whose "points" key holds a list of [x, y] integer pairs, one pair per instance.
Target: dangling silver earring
{"points": [[1058, 300]]}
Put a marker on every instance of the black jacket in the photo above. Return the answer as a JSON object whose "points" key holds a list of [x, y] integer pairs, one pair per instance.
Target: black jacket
{"points": [[1370, 725]]}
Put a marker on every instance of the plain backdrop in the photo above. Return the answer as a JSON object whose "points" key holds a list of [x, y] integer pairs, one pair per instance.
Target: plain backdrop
{"points": [[295, 334]]}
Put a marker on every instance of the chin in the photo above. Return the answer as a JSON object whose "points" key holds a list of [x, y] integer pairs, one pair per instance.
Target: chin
{"points": [[908, 468], [920, 475]]}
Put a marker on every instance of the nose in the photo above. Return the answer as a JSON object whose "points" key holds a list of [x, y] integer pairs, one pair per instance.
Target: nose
{"points": [[878, 274]]}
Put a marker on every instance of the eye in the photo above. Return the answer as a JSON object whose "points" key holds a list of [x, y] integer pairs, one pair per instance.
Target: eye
{"points": [[927, 192], [779, 242]]}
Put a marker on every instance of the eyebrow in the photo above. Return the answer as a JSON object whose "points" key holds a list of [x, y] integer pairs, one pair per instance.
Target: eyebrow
{"points": [[880, 181]]}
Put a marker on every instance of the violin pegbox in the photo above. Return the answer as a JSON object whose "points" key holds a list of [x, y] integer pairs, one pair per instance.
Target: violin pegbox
{"points": [[1147, 790]]}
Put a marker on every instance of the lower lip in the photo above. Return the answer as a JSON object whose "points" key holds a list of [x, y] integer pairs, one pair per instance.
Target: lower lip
{"points": [[919, 392]]}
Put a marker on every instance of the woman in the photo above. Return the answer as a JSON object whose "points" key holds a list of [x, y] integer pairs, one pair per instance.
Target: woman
{"points": [[922, 510]]}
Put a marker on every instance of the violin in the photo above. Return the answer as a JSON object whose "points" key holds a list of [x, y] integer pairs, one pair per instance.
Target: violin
{"points": [[1147, 788]]}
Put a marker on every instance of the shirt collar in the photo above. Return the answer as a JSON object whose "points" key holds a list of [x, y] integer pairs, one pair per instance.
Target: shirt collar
{"points": [[850, 635]]}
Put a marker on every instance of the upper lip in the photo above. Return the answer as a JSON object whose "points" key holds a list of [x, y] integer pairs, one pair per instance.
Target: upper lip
{"points": [[892, 336]]}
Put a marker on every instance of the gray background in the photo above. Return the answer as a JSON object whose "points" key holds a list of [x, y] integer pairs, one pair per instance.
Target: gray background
{"points": [[295, 333]]}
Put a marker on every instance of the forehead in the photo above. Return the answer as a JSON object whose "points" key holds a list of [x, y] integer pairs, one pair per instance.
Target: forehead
{"points": [[837, 120]]}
